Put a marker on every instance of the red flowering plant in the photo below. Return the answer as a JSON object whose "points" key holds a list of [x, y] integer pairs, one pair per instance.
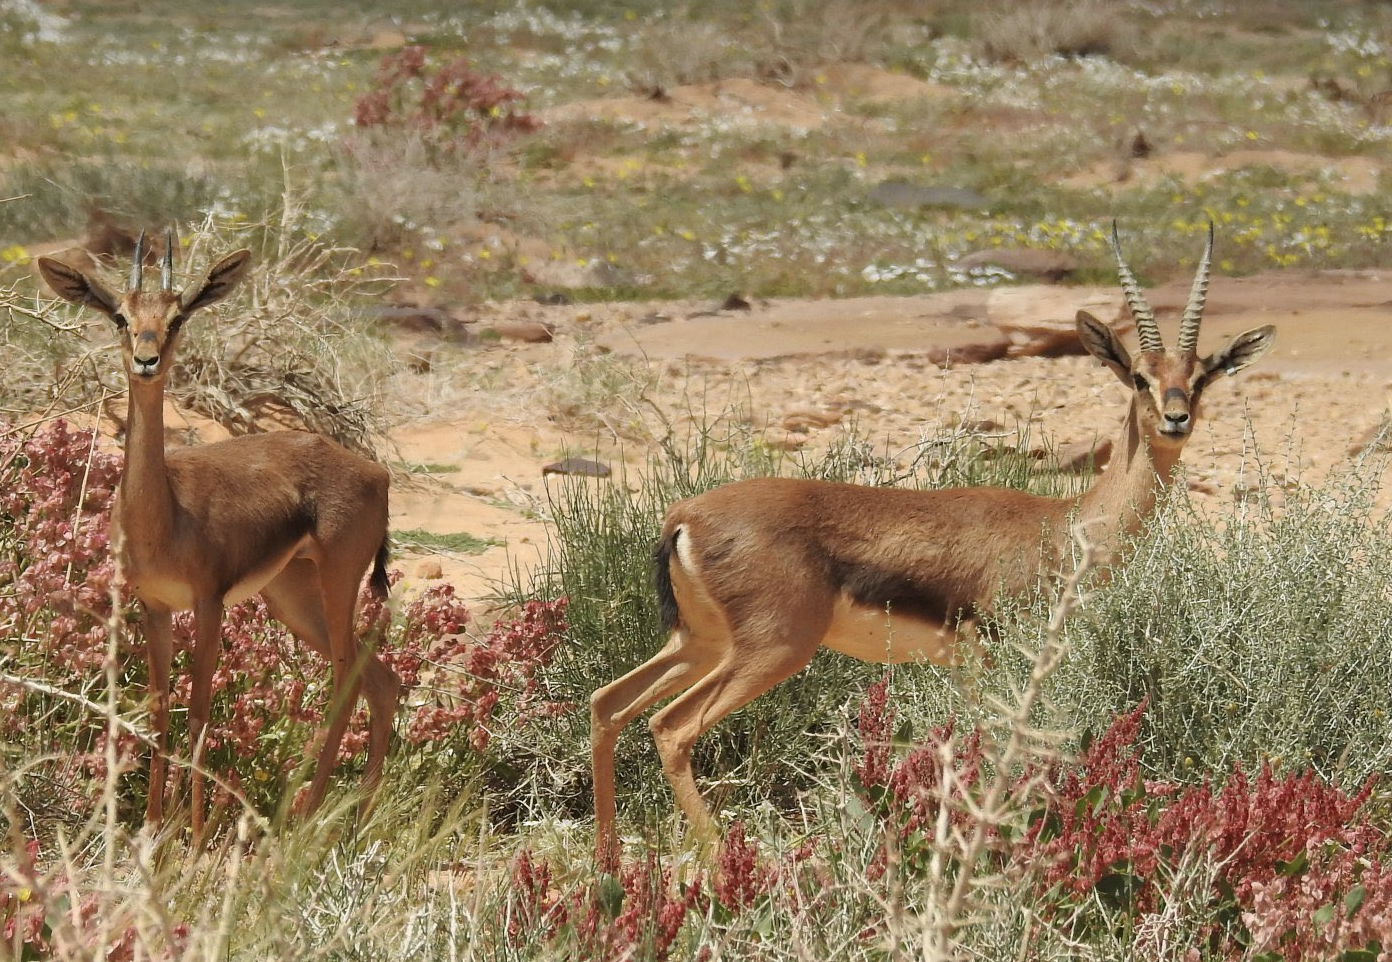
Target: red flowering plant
{"points": [[1294, 864], [636, 909], [269, 692], [56, 574], [452, 106], [909, 794], [1276, 867], [636, 913]]}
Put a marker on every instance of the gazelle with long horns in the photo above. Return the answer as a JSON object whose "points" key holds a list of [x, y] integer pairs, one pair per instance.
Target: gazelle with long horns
{"points": [[292, 516], [753, 577]]}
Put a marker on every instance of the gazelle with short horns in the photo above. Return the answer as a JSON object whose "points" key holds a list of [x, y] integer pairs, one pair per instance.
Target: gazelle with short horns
{"points": [[753, 577], [292, 516]]}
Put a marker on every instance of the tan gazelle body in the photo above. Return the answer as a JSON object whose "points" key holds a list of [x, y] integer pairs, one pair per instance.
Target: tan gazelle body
{"points": [[289, 515], [753, 577]]}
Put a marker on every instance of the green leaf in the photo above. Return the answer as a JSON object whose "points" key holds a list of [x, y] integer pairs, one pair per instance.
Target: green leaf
{"points": [[903, 735], [1353, 900], [1323, 915], [1119, 889], [1359, 955], [610, 893], [1294, 867], [1090, 802]]}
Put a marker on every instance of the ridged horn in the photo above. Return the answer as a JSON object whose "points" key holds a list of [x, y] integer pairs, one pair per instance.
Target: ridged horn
{"points": [[1135, 300], [167, 265], [137, 273], [1193, 311]]}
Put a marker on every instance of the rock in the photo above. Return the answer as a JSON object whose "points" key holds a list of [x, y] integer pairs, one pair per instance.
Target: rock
{"points": [[577, 467], [424, 320], [429, 570], [1074, 458], [528, 332], [905, 196], [1052, 266], [978, 353], [1046, 338], [803, 421]]}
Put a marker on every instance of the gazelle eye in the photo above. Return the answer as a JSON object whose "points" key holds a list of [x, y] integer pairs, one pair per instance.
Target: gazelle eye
{"points": [[119, 319], [1141, 383]]}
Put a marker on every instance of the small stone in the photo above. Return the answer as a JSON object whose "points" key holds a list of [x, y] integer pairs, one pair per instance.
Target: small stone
{"points": [[577, 467]]}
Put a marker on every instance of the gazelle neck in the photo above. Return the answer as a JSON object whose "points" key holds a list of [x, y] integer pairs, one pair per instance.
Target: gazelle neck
{"points": [[144, 486], [1125, 495]]}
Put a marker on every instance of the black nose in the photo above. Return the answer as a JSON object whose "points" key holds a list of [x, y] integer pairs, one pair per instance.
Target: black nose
{"points": [[1177, 422]]}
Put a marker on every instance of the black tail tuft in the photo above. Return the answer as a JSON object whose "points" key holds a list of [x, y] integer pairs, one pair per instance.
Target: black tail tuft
{"points": [[662, 579], [378, 582]]}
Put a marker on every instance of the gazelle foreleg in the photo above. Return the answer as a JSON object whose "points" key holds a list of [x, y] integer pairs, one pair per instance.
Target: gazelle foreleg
{"points": [[207, 645], [159, 659]]}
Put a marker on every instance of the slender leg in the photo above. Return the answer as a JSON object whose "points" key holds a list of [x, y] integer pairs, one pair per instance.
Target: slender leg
{"points": [[739, 679], [346, 659], [680, 664], [297, 598], [207, 646], [159, 657]]}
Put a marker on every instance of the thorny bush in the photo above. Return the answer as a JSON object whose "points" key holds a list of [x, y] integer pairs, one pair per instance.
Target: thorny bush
{"points": [[270, 693]]}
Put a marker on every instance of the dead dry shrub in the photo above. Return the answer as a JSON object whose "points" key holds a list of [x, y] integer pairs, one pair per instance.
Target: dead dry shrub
{"points": [[785, 41], [295, 348], [1029, 32], [291, 348]]}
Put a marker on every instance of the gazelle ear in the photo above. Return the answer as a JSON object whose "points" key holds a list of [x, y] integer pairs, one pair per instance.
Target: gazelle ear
{"points": [[73, 285], [220, 281], [1244, 349], [1102, 343]]}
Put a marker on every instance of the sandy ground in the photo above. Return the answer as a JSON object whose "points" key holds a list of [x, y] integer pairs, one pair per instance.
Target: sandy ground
{"points": [[804, 371]]}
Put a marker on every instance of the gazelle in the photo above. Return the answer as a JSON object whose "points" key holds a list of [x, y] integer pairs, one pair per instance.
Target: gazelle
{"points": [[753, 577], [290, 515]]}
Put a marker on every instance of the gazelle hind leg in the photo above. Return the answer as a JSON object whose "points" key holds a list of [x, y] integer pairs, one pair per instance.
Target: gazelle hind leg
{"points": [[295, 598], [737, 681], [681, 663]]}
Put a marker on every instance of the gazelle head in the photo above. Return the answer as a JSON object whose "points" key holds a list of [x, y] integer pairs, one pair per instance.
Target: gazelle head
{"points": [[148, 321], [1168, 385]]}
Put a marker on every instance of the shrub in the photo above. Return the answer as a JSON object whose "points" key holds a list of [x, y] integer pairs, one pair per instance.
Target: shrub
{"points": [[1283, 864], [452, 105]]}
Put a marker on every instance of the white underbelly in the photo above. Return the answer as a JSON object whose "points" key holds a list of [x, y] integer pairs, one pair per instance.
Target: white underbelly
{"points": [[878, 635], [253, 581]]}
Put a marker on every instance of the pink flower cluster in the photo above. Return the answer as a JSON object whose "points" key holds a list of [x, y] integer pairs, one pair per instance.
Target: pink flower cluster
{"points": [[1300, 861], [269, 692], [39, 917], [942, 769], [1296, 865], [468, 677], [452, 105], [609, 920], [56, 490], [635, 911]]}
